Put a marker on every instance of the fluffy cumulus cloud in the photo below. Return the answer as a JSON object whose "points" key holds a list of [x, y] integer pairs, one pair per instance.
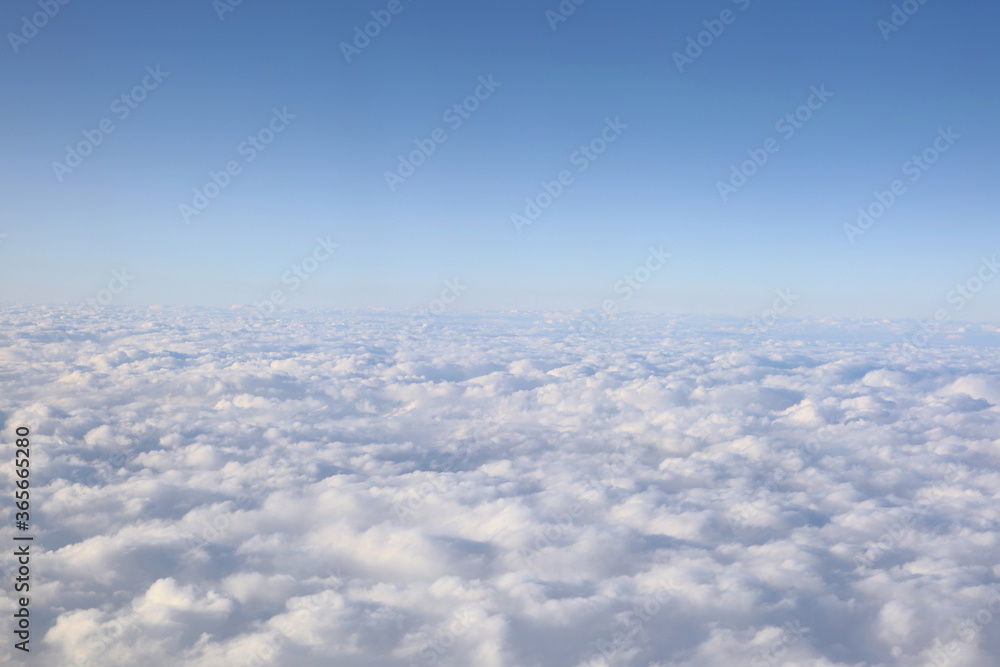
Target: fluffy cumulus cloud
{"points": [[366, 490]]}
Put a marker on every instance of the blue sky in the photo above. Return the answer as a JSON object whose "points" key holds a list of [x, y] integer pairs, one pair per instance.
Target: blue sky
{"points": [[656, 184]]}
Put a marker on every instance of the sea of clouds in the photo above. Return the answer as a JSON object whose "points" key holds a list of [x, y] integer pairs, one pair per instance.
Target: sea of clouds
{"points": [[370, 489]]}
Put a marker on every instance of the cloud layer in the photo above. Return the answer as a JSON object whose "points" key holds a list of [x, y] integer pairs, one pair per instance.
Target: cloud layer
{"points": [[507, 490]]}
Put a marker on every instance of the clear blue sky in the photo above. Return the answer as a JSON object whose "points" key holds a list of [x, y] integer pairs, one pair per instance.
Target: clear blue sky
{"points": [[656, 184]]}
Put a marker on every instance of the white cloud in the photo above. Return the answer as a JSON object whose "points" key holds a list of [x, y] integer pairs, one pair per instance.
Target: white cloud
{"points": [[504, 491]]}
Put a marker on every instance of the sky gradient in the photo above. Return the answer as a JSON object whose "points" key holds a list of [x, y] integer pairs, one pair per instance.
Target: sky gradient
{"points": [[218, 80]]}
